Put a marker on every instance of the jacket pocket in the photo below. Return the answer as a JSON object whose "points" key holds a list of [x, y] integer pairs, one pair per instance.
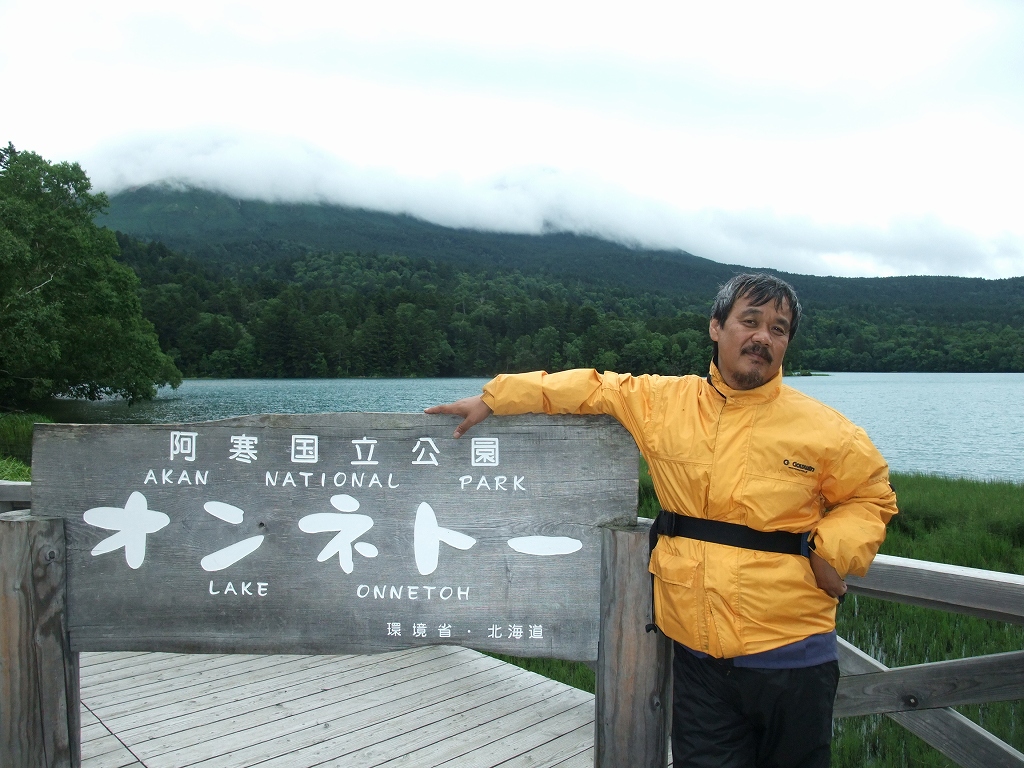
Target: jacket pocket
{"points": [[774, 503], [676, 596], [673, 569]]}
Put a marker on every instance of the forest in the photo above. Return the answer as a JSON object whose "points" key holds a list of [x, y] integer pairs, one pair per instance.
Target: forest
{"points": [[319, 314]]}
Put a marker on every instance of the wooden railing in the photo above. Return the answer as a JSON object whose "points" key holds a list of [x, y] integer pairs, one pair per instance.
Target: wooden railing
{"points": [[14, 495], [918, 697]]}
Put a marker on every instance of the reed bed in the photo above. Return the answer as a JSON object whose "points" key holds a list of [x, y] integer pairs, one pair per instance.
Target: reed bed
{"points": [[16, 436]]}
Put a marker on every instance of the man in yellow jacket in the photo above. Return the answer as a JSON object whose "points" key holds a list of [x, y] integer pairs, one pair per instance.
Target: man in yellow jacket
{"points": [[773, 499]]}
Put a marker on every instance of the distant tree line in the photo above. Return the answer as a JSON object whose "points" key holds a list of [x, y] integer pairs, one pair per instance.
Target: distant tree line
{"points": [[333, 315], [893, 339], [325, 315]]}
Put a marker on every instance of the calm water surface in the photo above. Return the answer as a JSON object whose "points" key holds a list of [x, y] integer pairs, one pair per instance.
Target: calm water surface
{"points": [[958, 424], [205, 399]]}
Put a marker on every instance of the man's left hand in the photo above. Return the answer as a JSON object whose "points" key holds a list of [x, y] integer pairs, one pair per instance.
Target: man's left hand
{"points": [[827, 577]]}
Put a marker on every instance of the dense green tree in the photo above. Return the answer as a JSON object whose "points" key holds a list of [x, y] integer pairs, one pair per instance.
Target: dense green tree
{"points": [[348, 314], [70, 317]]}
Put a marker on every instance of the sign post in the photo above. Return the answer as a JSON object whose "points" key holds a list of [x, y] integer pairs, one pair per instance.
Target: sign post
{"points": [[348, 533], [39, 716]]}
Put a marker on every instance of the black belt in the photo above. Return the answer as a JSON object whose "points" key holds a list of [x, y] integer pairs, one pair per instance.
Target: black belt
{"points": [[730, 534]]}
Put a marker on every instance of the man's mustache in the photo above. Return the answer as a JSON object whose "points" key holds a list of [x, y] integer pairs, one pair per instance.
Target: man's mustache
{"points": [[759, 350]]}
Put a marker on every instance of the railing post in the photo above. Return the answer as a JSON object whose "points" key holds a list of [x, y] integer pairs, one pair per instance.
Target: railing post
{"points": [[39, 715], [633, 703]]}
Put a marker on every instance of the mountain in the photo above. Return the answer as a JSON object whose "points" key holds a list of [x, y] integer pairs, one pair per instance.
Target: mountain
{"points": [[219, 228]]}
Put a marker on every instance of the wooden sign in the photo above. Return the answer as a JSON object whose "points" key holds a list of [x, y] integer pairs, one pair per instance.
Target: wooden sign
{"points": [[332, 533]]}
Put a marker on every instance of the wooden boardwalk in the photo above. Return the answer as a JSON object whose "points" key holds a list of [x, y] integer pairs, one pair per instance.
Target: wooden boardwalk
{"points": [[434, 706]]}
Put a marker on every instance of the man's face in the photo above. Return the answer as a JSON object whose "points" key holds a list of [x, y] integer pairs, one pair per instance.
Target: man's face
{"points": [[751, 342]]}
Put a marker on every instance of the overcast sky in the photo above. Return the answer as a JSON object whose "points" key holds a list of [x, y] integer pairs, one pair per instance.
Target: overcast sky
{"points": [[869, 138]]}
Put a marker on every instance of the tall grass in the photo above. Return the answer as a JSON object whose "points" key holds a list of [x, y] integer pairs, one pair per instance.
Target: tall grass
{"points": [[16, 435], [12, 469]]}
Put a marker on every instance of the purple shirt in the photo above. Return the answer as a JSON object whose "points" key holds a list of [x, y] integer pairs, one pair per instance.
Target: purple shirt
{"points": [[809, 652]]}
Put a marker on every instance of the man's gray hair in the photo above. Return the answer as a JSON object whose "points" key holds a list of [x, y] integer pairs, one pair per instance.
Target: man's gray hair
{"points": [[760, 288]]}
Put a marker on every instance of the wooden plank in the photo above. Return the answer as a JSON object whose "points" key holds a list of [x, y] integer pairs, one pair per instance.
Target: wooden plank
{"points": [[166, 692], [582, 760], [201, 702], [575, 745], [538, 730], [176, 667], [107, 752], [109, 657], [358, 724], [39, 707], [86, 718], [446, 721], [977, 680], [484, 729], [379, 721], [267, 719], [634, 667], [972, 591], [200, 707], [955, 736], [93, 731], [174, 496], [108, 746], [262, 720]]}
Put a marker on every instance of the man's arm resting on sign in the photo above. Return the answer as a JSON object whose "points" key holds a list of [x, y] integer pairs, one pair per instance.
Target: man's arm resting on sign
{"points": [[534, 392], [473, 410]]}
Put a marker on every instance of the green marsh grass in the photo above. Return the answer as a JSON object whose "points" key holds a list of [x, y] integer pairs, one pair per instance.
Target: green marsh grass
{"points": [[16, 435], [12, 469], [961, 522]]}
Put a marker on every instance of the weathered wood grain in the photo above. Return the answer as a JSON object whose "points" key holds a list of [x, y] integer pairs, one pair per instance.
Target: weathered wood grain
{"points": [[998, 677], [39, 711], [483, 736], [972, 591], [359, 728], [437, 705], [955, 736], [555, 478], [572, 748], [634, 667], [536, 736], [253, 720]]}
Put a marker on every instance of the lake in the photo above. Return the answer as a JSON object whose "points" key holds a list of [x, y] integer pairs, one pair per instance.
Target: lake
{"points": [[956, 424]]}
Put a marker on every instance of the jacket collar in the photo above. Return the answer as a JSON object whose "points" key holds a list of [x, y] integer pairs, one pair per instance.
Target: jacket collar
{"points": [[764, 394]]}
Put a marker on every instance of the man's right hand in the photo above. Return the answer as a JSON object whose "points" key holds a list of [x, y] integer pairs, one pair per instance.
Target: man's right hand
{"points": [[473, 410]]}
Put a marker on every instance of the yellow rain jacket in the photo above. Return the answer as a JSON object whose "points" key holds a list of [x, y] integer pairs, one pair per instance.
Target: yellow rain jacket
{"points": [[770, 458]]}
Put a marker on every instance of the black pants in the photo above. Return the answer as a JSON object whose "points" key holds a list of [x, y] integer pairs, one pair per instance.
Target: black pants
{"points": [[735, 717]]}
